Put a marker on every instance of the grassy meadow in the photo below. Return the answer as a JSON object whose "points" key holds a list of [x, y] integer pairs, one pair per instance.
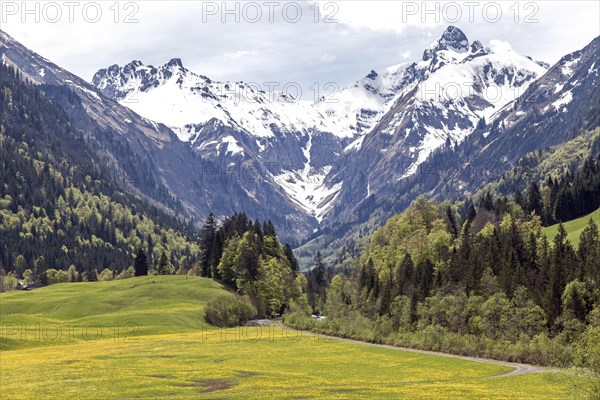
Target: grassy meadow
{"points": [[146, 338], [574, 227]]}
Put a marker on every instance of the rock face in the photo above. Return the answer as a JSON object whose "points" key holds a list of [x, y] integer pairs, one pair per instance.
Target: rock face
{"points": [[452, 39], [562, 104], [277, 139], [332, 154]]}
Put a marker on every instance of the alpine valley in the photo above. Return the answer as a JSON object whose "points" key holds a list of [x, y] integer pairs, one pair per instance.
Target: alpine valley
{"points": [[430, 231], [326, 173]]}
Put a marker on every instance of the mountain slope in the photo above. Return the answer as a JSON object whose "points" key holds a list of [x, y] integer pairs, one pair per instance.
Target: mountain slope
{"points": [[574, 227], [541, 165], [459, 86], [540, 118], [561, 105], [285, 141], [58, 203], [147, 159]]}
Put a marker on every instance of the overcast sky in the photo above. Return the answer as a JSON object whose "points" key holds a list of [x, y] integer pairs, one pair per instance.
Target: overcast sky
{"points": [[288, 41]]}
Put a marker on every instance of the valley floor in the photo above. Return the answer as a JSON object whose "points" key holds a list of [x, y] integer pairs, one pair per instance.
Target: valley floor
{"points": [[168, 352], [265, 363]]}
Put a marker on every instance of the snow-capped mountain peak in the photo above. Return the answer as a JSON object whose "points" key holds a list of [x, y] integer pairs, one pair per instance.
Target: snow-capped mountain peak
{"points": [[234, 122], [403, 112], [120, 82], [185, 101], [452, 47], [438, 100]]}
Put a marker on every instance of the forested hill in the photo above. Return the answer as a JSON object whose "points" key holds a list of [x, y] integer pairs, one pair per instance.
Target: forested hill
{"points": [[58, 205], [62, 218], [485, 281]]}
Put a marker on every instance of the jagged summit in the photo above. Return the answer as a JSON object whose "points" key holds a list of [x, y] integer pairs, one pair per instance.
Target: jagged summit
{"points": [[476, 46], [117, 82], [175, 62], [452, 39]]}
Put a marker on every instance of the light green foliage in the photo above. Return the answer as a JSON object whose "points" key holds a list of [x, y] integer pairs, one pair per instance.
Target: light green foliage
{"points": [[8, 281], [420, 232], [587, 355], [127, 273], [400, 312], [20, 265], [163, 267], [28, 276], [576, 300], [338, 298], [258, 268], [228, 311], [489, 283], [227, 263], [59, 276], [495, 315], [576, 305], [527, 317], [270, 286], [106, 275]]}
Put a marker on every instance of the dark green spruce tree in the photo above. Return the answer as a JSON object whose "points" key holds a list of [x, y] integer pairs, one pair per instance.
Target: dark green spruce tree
{"points": [[140, 264], [207, 241]]}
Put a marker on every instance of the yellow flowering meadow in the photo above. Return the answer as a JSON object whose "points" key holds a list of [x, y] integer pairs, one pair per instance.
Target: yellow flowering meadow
{"points": [[110, 359]]}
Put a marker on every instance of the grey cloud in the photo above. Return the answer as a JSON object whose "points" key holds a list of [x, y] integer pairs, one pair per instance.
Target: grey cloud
{"points": [[282, 51]]}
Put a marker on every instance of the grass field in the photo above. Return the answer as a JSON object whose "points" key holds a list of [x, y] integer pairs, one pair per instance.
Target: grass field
{"points": [[67, 312], [573, 227], [165, 350]]}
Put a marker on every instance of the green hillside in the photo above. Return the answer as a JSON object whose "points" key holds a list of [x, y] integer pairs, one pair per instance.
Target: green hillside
{"points": [[129, 307], [573, 227]]}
